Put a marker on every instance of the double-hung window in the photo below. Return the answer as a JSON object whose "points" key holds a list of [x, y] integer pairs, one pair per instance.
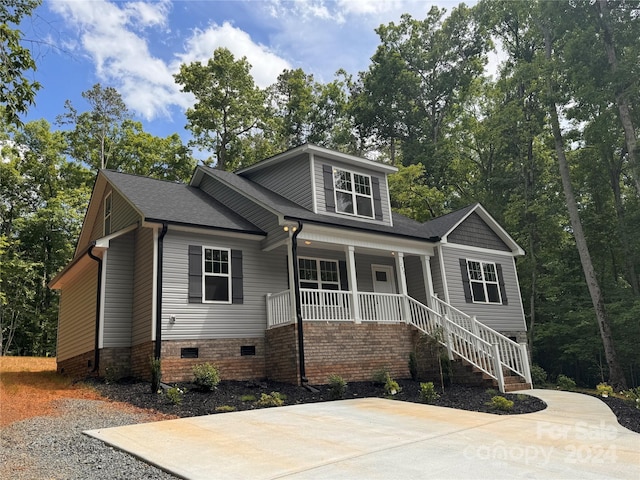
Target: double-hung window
{"points": [[483, 279], [353, 193], [216, 271], [318, 274], [107, 214]]}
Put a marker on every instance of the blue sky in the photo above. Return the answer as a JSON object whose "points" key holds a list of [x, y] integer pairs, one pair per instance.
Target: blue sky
{"points": [[137, 46]]}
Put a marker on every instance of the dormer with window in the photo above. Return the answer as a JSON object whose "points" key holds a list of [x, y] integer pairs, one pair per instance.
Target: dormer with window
{"points": [[327, 182]]}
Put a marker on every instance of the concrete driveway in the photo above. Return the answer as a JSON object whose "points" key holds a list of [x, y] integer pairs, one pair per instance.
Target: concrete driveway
{"points": [[576, 437]]}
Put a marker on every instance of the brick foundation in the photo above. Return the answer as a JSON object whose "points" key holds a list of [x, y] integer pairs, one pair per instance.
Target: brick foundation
{"points": [[140, 360], [353, 351], [281, 346], [80, 366], [223, 352]]}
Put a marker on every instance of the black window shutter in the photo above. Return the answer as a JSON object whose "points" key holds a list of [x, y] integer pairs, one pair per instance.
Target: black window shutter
{"points": [[503, 290], [237, 288], [342, 268], [195, 274], [466, 284], [377, 200], [330, 201]]}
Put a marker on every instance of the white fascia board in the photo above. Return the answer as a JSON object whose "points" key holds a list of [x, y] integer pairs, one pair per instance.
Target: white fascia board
{"points": [[471, 248], [93, 208], [104, 241], [366, 240], [324, 152]]}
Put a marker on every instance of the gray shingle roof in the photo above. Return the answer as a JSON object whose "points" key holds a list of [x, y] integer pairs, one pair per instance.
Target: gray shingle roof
{"points": [[439, 227], [177, 203]]}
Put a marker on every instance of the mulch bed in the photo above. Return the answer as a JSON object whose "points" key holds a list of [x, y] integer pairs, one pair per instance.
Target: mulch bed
{"points": [[230, 394]]}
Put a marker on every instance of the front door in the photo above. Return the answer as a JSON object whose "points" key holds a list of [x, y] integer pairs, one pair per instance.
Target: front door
{"points": [[383, 281]]}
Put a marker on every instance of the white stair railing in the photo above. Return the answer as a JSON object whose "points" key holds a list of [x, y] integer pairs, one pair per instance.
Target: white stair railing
{"points": [[513, 356], [458, 340]]}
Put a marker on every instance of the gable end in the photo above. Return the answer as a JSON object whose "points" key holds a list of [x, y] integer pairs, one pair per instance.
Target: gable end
{"points": [[476, 233]]}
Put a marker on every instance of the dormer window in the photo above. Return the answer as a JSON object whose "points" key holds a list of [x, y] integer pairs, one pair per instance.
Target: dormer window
{"points": [[107, 214], [353, 193]]}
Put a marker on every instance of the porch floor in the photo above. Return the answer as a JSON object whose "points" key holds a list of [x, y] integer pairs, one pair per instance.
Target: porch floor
{"points": [[379, 439]]}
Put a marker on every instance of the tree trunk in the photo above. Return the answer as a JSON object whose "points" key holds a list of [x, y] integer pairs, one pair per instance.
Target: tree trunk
{"points": [[616, 375], [622, 100]]}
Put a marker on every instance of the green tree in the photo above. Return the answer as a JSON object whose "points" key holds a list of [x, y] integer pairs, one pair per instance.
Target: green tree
{"points": [[41, 219], [95, 133], [17, 92], [229, 106]]}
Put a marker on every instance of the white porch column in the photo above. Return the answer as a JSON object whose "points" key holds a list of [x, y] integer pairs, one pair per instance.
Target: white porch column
{"points": [[402, 283], [350, 250], [425, 261], [292, 282]]}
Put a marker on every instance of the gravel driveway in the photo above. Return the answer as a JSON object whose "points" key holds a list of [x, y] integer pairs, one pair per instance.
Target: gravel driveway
{"points": [[55, 448]]}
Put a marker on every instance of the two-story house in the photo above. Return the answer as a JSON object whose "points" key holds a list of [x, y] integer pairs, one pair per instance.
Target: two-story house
{"points": [[291, 269]]}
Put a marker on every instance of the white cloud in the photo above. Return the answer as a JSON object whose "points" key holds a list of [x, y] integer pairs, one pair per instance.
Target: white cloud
{"points": [[266, 65], [121, 54]]}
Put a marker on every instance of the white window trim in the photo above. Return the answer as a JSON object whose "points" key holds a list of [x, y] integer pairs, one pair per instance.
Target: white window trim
{"points": [[105, 215], [484, 282], [227, 275], [353, 193], [319, 281]]}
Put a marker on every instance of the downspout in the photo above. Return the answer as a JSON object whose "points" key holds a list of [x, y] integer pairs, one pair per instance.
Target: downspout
{"points": [[158, 345], [296, 286], [96, 345]]}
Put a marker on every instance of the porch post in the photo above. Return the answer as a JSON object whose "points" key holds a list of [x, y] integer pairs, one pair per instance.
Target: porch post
{"points": [[402, 282], [350, 250], [425, 261], [292, 282]]}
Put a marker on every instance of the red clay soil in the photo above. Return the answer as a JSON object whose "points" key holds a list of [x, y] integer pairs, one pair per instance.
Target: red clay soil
{"points": [[30, 385]]}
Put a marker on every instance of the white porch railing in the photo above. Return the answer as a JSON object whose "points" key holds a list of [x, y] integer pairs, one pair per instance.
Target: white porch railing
{"points": [[381, 307], [326, 305], [462, 335], [279, 309], [513, 355]]}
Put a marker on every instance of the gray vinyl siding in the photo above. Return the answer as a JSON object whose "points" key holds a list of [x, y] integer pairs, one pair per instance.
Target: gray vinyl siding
{"points": [[320, 197], [118, 292], [122, 215], [476, 233], [436, 275], [415, 279], [263, 272], [290, 179], [499, 317], [142, 308], [77, 315]]}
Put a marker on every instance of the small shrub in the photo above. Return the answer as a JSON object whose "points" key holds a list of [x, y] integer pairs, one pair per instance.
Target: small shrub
{"points": [[538, 375], [337, 387], [391, 387], [604, 390], [500, 403], [225, 409], [248, 398], [632, 396], [175, 394], [522, 397], [380, 376], [274, 399], [413, 366], [156, 373], [565, 383], [428, 392], [206, 376], [492, 392]]}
